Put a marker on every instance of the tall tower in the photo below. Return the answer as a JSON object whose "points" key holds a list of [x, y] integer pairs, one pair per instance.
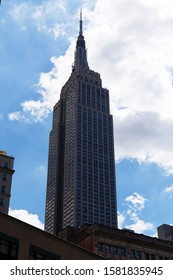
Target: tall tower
{"points": [[81, 166], [6, 173]]}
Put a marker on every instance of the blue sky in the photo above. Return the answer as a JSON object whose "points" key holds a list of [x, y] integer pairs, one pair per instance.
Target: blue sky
{"points": [[130, 44]]}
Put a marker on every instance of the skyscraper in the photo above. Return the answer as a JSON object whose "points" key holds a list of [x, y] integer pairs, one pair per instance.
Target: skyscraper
{"points": [[6, 173], [81, 166]]}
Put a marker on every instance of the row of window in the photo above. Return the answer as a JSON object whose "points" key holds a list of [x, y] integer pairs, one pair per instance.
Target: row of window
{"points": [[118, 251], [115, 249]]}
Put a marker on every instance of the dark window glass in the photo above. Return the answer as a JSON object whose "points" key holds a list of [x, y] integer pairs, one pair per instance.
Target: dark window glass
{"points": [[4, 178], [115, 250], [100, 247], [147, 256], [138, 255], [1, 201], [3, 189], [132, 253], [123, 252], [108, 249]]}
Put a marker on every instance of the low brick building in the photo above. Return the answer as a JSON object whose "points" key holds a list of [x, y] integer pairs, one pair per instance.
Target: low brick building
{"points": [[112, 243]]}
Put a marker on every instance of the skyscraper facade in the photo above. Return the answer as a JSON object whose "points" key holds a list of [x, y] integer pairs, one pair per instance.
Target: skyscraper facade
{"points": [[81, 166], [6, 173]]}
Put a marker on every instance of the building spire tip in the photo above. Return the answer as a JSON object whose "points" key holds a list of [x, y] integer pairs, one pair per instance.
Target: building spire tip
{"points": [[81, 27]]}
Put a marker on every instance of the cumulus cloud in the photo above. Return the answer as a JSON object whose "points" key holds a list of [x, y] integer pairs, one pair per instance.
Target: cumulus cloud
{"points": [[169, 189], [26, 217], [131, 218], [145, 136], [131, 45], [136, 201], [140, 226]]}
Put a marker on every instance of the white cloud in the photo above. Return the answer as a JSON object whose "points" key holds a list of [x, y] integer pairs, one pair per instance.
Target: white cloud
{"points": [[131, 218], [138, 225], [145, 136], [136, 201], [121, 219], [1, 115], [141, 226], [130, 43], [47, 17], [169, 189], [26, 217], [16, 116]]}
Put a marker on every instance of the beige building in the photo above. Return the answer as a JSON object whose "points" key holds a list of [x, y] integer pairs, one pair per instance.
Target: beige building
{"points": [[22, 241], [117, 244], [6, 173]]}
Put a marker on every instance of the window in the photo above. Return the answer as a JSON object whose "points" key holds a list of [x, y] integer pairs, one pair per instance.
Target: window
{"points": [[3, 189], [4, 178], [100, 247], [115, 250], [108, 249], [123, 252], [138, 255], [147, 257], [132, 254], [1, 201], [4, 247]]}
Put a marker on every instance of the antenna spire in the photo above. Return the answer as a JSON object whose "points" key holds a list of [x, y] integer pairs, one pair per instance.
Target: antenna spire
{"points": [[81, 52], [81, 22]]}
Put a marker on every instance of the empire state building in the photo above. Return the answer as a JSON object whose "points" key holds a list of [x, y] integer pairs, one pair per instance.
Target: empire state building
{"points": [[81, 186]]}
